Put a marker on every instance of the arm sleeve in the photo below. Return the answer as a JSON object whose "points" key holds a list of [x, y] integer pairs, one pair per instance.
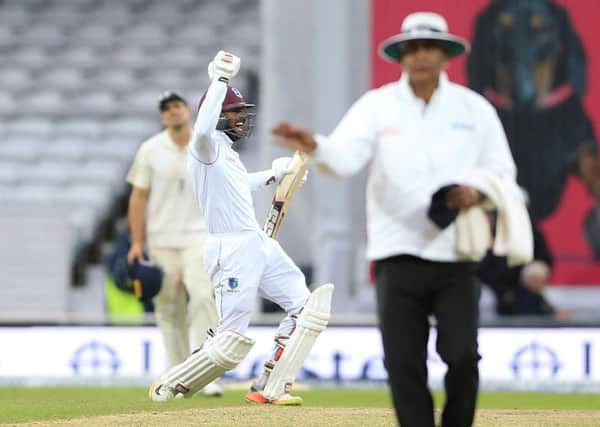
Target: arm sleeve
{"points": [[495, 154], [202, 144], [140, 173], [258, 180], [350, 146]]}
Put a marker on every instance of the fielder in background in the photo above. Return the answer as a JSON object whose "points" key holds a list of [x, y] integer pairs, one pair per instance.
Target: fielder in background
{"points": [[163, 215], [242, 261], [419, 133]]}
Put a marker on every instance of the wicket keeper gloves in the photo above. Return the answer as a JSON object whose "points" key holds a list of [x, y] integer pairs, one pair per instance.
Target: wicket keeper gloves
{"points": [[281, 167], [225, 66]]}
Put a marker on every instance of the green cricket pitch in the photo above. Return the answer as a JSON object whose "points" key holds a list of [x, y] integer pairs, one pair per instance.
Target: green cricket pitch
{"points": [[91, 406]]}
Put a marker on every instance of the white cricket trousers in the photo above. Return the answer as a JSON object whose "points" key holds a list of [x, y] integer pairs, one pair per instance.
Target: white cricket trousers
{"points": [[179, 319], [242, 265]]}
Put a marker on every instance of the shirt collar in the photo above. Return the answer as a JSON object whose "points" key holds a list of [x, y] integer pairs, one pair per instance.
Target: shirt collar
{"points": [[406, 91], [226, 138], [170, 144]]}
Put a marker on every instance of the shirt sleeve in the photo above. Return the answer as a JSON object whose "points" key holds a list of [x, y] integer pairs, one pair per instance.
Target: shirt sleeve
{"points": [[258, 180], [348, 149], [203, 147], [495, 155], [140, 173]]}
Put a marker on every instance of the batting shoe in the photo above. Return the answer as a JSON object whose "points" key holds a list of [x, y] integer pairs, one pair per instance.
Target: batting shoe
{"points": [[286, 399], [159, 393]]}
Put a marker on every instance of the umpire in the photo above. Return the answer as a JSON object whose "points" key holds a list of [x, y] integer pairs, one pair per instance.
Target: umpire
{"points": [[419, 134]]}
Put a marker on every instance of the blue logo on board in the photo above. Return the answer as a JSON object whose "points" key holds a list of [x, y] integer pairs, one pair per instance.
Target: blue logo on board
{"points": [[95, 358], [535, 360]]}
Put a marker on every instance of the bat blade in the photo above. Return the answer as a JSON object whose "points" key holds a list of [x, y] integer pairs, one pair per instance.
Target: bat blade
{"points": [[284, 194]]}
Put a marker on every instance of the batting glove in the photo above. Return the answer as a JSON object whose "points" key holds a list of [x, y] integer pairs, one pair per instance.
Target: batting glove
{"points": [[281, 167], [225, 66]]}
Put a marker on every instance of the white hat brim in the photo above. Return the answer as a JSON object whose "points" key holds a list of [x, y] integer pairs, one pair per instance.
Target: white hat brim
{"points": [[391, 48]]}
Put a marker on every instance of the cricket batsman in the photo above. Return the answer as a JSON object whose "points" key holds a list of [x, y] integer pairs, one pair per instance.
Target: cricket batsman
{"points": [[241, 260]]}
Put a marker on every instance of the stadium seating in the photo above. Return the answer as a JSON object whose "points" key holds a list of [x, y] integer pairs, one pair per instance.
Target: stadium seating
{"points": [[80, 82]]}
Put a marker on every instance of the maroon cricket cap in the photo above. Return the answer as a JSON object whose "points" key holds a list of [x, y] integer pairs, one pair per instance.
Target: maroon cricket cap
{"points": [[233, 100]]}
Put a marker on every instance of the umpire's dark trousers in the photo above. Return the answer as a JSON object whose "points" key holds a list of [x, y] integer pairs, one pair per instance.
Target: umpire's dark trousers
{"points": [[408, 290]]}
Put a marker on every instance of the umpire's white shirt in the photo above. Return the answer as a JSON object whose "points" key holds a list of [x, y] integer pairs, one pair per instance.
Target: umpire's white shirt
{"points": [[173, 219], [414, 149]]}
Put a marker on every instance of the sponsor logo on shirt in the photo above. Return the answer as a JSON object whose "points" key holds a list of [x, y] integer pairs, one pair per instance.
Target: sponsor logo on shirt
{"points": [[235, 162], [233, 284], [462, 126], [389, 132]]}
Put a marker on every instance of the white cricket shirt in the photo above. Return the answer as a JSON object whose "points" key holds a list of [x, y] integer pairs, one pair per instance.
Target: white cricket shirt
{"points": [[221, 182], [414, 149], [172, 216]]}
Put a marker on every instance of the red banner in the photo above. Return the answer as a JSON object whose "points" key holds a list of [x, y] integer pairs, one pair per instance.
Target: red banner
{"points": [[569, 235]]}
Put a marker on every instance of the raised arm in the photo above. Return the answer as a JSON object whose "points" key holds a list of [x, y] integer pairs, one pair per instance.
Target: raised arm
{"points": [[220, 70], [346, 151], [206, 122]]}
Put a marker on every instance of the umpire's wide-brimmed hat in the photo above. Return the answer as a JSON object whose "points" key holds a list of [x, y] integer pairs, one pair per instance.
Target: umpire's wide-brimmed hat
{"points": [[422, 26]]}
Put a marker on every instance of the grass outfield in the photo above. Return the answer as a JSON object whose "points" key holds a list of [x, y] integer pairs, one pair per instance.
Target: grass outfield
{"points": [[343, 407]]}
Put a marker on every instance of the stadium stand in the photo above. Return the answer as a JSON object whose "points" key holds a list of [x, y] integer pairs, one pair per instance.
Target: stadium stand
{"points": [[79, 87]]}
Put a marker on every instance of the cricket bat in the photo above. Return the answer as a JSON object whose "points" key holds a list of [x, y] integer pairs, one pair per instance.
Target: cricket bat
{"points": [[284, 194]]}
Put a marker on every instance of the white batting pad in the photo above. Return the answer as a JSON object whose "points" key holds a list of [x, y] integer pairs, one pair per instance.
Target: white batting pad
{"points": [[218, 355], [312, 321]]}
